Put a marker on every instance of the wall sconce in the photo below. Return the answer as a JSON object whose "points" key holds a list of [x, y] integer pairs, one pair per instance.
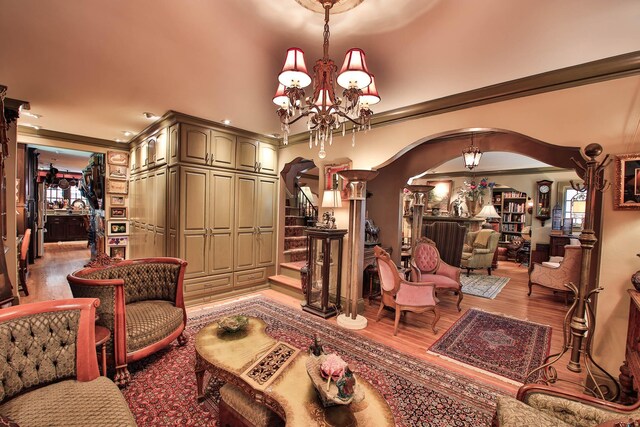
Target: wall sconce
{"points": [[529, 206]]}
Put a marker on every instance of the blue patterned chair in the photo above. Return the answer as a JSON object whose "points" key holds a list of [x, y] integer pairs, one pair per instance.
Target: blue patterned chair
{"points": [[141, 304]]}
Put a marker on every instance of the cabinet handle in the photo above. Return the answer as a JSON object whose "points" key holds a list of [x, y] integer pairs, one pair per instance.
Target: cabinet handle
{"points": [[255, 166], [206, 158], [259, 166]]}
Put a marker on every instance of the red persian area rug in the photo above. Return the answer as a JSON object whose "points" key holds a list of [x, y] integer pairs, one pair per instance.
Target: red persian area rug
{"points": [[496, 344], [163, 387]]}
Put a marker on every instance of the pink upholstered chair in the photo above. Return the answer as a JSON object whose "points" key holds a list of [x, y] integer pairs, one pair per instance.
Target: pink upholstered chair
{"points": [[426, 266], [555, 277], [401, 295]]}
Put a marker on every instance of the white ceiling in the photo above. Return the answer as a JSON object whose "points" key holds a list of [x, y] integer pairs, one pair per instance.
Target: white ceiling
{"points": [[91, 67]]}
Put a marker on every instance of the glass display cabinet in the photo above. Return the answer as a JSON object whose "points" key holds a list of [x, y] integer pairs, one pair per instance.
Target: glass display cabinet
{"points": [[324, 271]]}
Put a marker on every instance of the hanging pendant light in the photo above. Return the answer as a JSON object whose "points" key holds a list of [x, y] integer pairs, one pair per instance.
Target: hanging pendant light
{"points": [[471, 155]]}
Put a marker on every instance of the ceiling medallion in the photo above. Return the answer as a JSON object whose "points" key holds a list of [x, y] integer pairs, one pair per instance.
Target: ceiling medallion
{"points": [[324, 110], [339, 6]]}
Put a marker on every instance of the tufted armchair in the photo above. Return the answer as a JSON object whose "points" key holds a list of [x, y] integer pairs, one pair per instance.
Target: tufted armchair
{"points": [[141, 304], [479, 250], [555, 276], [426, 266], [49, 370], [401, 295], [543, 406]]}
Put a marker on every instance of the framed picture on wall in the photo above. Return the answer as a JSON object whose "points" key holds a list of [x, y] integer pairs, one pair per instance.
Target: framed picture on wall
{"points": [[115, 186], [118, 212], [118, 252], [627, 182], [117, 158], [334, 181], [117, 227], [440, 196], [118, 201], [117, 172], [118, 241]]}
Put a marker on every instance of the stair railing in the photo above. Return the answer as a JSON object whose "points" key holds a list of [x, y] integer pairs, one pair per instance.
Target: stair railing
{"points": [[307, 208]]}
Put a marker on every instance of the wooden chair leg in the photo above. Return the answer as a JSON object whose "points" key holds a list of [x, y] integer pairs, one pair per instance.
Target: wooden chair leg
{"points": [[530, 284], [436, 313], [380, 311], [468, 272], [22, 276], [489, 270], [395, 329], [460, 295]]}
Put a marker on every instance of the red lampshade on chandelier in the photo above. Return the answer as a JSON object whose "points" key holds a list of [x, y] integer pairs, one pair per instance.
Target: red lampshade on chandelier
{"points": [[325, 111]]}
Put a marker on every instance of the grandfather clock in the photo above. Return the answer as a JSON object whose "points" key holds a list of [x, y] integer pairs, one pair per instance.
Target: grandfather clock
{"points": [[543, 200], [324, 271]]}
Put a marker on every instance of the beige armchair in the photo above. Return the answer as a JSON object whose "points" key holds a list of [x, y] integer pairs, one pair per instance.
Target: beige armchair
{"points": [[479, 249], [543, 406], [555, 277]]}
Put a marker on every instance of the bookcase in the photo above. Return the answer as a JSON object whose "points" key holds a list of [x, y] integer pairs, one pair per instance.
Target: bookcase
{"points": [[512, 207]]}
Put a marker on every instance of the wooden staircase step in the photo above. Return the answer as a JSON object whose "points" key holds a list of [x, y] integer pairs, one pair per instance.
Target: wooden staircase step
{"points": [[286, 285], [297, 265], [295, 251]]}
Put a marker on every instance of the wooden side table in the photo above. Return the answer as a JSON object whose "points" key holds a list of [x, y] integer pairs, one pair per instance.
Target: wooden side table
{"points": [[103, 335]]}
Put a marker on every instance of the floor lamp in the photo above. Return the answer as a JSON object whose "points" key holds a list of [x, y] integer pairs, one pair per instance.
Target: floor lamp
{"points": [[357, 199]]}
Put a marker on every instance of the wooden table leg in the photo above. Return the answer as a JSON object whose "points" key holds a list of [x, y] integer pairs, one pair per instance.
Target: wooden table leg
{"points": [[199, 368]]}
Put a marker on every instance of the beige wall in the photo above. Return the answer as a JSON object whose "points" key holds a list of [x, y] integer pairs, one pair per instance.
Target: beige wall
{"points": [[607, 113]]}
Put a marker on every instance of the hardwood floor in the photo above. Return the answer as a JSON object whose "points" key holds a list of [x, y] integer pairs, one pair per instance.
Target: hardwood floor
{"points": [[47, 280]]}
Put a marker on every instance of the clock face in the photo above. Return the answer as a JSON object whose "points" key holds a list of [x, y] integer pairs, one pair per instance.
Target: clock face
{"points": [[544, 189]]}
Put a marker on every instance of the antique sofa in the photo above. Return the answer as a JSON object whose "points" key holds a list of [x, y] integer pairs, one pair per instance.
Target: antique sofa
{"points": [[544, 406], [141, 304], [479, 249], [50, 371]]}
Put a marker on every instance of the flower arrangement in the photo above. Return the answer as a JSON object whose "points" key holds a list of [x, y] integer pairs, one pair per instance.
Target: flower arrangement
{"points": [[474, 191]]}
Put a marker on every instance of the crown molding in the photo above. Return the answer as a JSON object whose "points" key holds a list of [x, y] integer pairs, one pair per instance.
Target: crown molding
{"points": [[527, 171], [69, 137], [611, 68]]}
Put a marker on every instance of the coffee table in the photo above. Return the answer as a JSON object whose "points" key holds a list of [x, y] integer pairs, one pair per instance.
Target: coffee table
{"points": [[274, 374]]}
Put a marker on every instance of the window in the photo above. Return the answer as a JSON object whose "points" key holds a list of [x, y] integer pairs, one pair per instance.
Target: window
{"points": [[575, 203], [55, 195]]}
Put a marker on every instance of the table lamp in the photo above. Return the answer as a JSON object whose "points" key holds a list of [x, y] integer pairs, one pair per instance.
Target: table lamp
{"points": [[488, 212], [330, 199]]}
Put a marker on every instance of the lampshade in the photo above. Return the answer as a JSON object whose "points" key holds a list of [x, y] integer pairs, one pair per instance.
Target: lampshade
{"points": [[370, 94], [331, 199], [488, 212], [280, 99], [294, 72], [354, 72]]}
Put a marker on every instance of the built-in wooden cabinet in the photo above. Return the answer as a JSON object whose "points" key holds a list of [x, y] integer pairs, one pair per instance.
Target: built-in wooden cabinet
{"points": [[65, 228], [256, 156], [210, 197]]}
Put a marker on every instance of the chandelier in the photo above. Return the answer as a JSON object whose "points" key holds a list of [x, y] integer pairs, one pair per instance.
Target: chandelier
{"points": [[324, 110], [471, 156]]}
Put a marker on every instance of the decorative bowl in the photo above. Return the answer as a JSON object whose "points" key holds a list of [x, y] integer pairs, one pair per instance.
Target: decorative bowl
{"points": [[233, 323], [331, 392]]}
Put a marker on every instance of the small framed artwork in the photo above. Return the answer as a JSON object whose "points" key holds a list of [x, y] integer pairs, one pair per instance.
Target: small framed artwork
{"points": [[627, 184], [118, 200], [117, 228], [439, 197], [118, 241], [333, 181], [118, 252], [115, 186], [118, 172], [117, 158], [118, 212]]}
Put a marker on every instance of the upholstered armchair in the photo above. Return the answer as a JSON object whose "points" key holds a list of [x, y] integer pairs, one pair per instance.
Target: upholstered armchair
{"points": [[49, 370], [555, 276], [141, 304], [401, 295], [479, 249], [543, 406], [426, 266]]}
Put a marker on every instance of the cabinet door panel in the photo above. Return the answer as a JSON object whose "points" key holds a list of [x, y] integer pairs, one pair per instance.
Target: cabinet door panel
{"points": [[193, 192], [246, 202], [141, 201], [159, 199], [160, 152], [266, 203], [149, 196], [268, 159], [221, 198], [194, 144], [173, 206], [266, 248], [220, 253], [173, 144], [193, 250], [245, 249], [223, 150], [247, 154]]}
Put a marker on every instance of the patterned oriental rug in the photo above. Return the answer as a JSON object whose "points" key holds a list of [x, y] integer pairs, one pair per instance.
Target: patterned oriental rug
{"points": [[495, 344], [482, 285], [163, 387]]}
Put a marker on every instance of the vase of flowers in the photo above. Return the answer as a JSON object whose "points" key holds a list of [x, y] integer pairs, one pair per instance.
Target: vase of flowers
{"points": [[473, 193]]}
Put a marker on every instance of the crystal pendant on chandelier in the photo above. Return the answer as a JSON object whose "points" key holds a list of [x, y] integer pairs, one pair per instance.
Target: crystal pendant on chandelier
{"points": [[325, 111]]}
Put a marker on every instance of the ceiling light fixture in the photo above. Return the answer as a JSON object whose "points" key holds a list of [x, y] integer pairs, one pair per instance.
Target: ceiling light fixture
{"points": [[127, 133], [226, 122], [150, 116], [471, 156], [323, 108]]}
